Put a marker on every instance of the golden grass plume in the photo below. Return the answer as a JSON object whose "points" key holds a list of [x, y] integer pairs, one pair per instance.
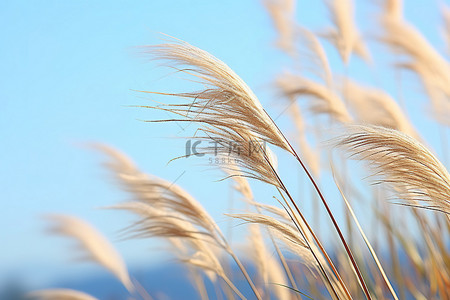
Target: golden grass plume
{"points": [[59, 294], [92, 244], [413, 171]]}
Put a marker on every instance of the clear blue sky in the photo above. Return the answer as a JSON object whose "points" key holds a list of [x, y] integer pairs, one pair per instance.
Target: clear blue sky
{"points": [[68, 69]]}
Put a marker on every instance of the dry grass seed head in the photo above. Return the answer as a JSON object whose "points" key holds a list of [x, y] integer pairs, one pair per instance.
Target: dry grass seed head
{"points": [[227, 102], [246, 156], [313, 49], [345, 35], [342, 16], [403, 163], [59, 294], [373, 106], [282, 14], [166, 211], [436, 88], [155, 191], [92, 244], [228, 110], [326, 102], [207, 263], [433, 69], [190, 242], [284, 231]]}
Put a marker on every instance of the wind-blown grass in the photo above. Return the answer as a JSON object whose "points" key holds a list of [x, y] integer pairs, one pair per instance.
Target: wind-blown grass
{"points": [[413, 172], [293, 259]]}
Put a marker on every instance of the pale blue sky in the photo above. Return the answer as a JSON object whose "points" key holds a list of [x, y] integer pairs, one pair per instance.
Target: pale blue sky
{"points": [[68, 69]]}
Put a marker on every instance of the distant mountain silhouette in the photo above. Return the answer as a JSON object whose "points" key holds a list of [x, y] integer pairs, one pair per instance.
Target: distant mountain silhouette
{"points": [[169, 280], [165, 281]]}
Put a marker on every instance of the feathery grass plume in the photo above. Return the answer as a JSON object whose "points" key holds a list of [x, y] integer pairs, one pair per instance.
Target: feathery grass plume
{"points": [[403, 38], [246, 156], [156, 191], [345, 35], [203, 261], [415, 174], [376, 107], [314, 52], [166, 210], [228, 110], [59, 294], [290, 236], [281, 215], [342, 16], [283, 218], [326, 102], [282, 229], [193, 246], [230, 113], [437, 90], [433, 69], [92, 244], [227, 104], [282, 14], [156, 222]]}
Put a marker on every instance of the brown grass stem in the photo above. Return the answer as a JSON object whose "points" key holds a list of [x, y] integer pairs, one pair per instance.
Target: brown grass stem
{"points": [[330, 214]]}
